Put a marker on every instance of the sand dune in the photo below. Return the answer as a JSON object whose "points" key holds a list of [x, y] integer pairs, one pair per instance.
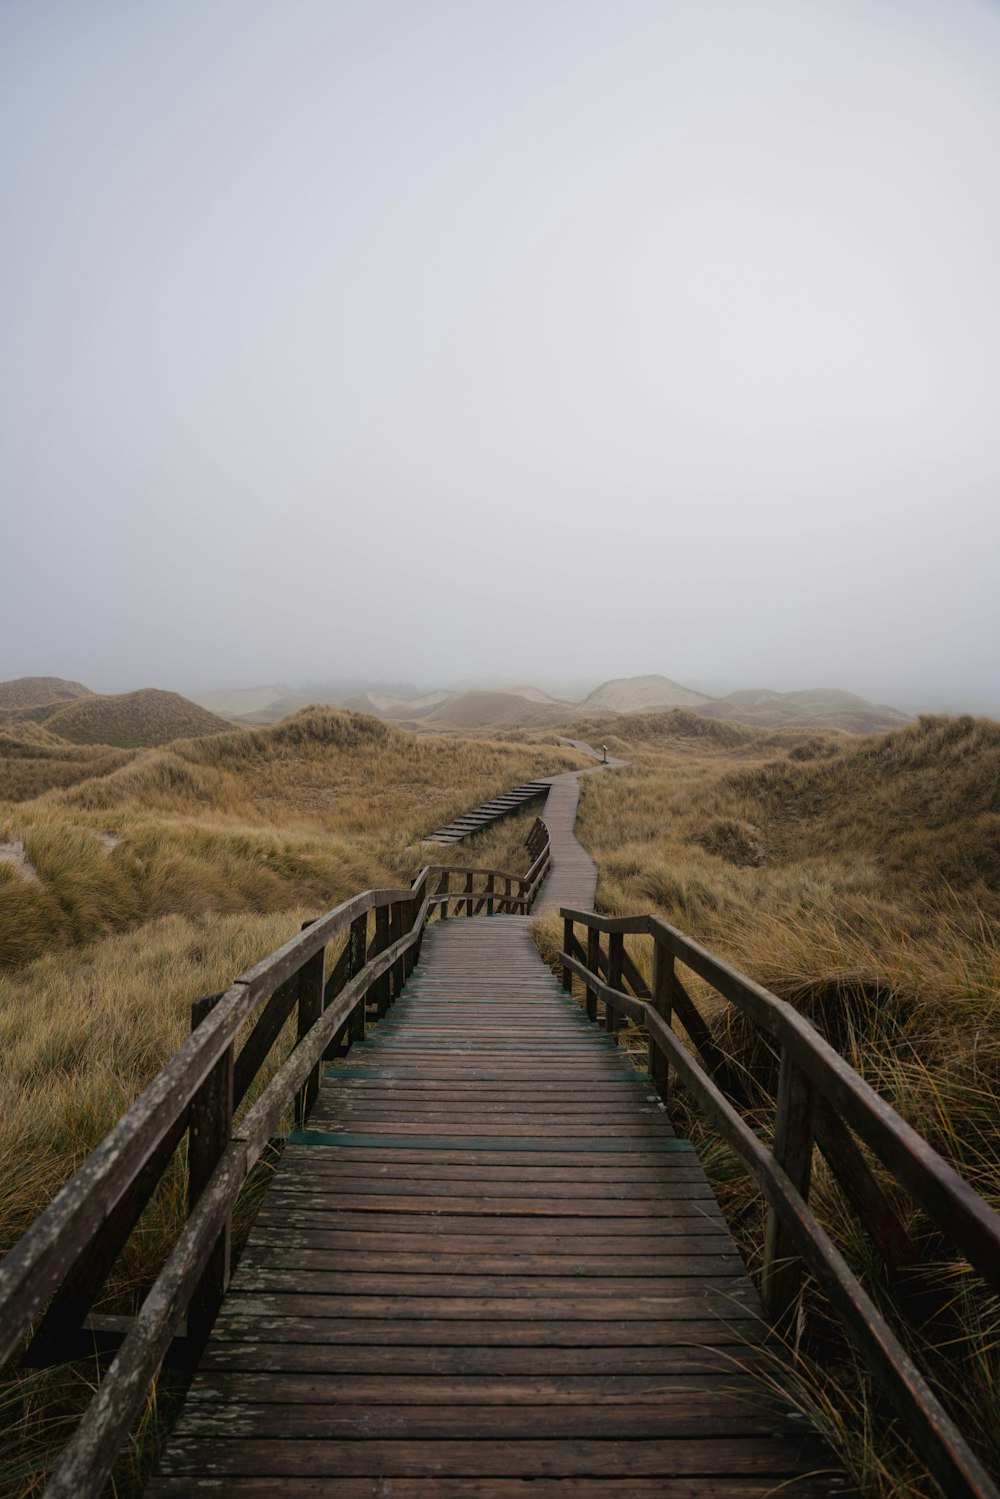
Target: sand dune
{"points": [[639, 694], [32, 692]]}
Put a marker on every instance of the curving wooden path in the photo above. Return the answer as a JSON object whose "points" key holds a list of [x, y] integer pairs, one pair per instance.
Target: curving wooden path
{"points": [[488, 1269]]}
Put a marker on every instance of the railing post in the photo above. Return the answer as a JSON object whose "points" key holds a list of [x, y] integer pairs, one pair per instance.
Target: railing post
{"points": [[567, 976], [616, 946], [469, 902], [443, 889], [663, 1004], [397, 929], [489, 893], [359, 957], [209, 1132], [507, 895], [379, 992], [312, 977], [410, 909], [594, 965], [794, 1134]]}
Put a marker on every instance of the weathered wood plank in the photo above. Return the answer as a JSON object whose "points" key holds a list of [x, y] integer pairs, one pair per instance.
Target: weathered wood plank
{"points": [[468, 1487], [685, 1416], [526, 1458]]}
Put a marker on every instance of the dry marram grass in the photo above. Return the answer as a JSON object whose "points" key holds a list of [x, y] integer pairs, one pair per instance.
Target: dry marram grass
{"points": [[160, 875], [857, 879]]}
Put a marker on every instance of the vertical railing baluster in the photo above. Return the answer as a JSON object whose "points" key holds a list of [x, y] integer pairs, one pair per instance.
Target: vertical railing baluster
{"points": [[379, 992], [312, 977], [410, 908], [359, 956], [567, 976], [616, 946], [794, 1136], [209, 1132], [663, 1004], [397, 973], [594, 965]]}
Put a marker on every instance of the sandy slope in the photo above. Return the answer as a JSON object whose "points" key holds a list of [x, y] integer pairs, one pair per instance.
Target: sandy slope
{"points": [[636, 694]]}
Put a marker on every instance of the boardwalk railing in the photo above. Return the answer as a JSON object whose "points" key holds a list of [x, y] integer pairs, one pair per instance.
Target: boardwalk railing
{"points": [[479, 890], [227, 1088], [821, 1102]]}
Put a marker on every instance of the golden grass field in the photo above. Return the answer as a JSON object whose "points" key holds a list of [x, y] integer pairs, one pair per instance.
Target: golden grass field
{"points": [[159, 876], [855, 877], [858, 879]]}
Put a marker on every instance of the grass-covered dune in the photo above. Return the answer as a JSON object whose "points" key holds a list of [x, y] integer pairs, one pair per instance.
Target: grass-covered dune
{"points": [[253, 820], [26, 692], [858, 879], [128, 720], [155, 877], [165, 873]]}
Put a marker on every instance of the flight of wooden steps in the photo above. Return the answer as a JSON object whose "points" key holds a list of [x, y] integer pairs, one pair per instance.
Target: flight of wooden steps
{"points": [[489, 813]]}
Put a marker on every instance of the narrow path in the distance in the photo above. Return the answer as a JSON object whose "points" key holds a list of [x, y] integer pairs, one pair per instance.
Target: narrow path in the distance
{"points": [[572, 879]]}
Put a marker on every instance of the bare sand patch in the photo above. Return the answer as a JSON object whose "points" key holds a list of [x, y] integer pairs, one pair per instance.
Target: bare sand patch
{"points": [[13, 853]]}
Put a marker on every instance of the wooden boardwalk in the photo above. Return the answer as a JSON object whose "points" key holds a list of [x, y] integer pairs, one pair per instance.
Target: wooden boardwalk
{"points": [[572, 879], [489, 813], [487, 1269]]}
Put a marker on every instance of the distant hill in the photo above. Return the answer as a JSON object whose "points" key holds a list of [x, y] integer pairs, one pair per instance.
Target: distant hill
{"points": [[536, 695], [819, 708], [639, 695], [507, 709], [129, 719], [288, 703], [391, 705], [33, 692], [238, 700], [493, 710]]}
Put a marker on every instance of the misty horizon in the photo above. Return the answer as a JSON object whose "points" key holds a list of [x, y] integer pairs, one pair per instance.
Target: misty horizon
{"points": [[568, 689], [447, 343]]}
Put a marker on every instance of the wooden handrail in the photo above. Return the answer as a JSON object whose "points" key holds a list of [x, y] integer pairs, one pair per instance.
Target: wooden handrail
{"points": [[820, 1100], [488, 897], [62, 1262]]}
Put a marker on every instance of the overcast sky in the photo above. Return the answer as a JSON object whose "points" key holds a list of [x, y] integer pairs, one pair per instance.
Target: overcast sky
{"points": [[534, 338]]}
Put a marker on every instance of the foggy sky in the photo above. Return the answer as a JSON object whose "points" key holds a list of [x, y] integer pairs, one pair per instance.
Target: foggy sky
{"points": [[535, 338]]}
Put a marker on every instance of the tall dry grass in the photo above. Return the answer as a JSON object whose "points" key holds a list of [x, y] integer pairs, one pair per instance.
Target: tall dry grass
{"points": [[158, 878], [258, 820], [857, 879]]}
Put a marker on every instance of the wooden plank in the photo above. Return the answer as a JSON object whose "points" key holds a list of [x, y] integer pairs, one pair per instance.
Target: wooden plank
{"points": [[510, 1192], [681, 1359], [466, 1487], [701, 1332], [682, 1417], [537, 1306], [372, 1236], [610, 1390], [380, 1257], [684, 1207], [292, 1275], [526, 1458]]}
